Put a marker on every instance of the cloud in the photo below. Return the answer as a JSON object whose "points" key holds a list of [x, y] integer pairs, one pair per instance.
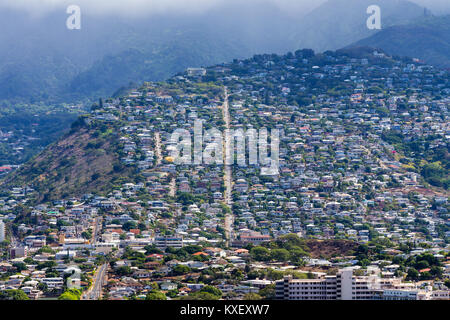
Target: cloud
{"points": [[144, 7], [437, 6], [113, 6]]}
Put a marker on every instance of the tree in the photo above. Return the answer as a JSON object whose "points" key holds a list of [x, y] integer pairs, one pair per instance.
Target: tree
{"points": [[237, 274], [413, 274], [364, 262], [180, 269], [20, 266], [185, 198], [47, 264], [290, 240], [172, 294], [152, 249], [156, 295], [260, 253], [436, 271], [447, 283], [297, 255], [129, 225], [123, 271], [70, 294], [252, 296], [422, 264], [200, 296], [305, 53], [42, 286], [281, 255], [212, 290], [268, 292], [13, 295], [192, 249]]}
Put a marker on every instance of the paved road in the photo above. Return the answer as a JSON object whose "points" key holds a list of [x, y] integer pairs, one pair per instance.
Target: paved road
{"points": [[97, 226], [173, 187], [228, 176], [95, 293], [158, 148]]}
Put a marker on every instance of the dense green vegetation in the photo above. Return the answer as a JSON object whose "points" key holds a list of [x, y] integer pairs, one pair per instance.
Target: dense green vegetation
{"points": [[70, 294], [286, 248], [433, 163], [206, 293], [13, 295], [31, 129]]}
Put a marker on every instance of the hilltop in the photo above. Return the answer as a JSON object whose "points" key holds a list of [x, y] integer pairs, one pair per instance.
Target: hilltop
{"points": [[428, 40], [116, 144], [338, 23]]}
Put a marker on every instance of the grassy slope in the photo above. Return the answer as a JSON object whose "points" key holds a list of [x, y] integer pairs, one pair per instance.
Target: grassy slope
{"points": [[71, 167]]}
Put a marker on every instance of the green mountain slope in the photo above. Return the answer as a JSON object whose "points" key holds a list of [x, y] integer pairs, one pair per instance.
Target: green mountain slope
{"points": [[137, 65], [55, 65], [428, 40], [338, 23]]}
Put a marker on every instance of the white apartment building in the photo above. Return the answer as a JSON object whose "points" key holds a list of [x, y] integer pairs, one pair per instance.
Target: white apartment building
{"points": [[162, 242], [196, 71], [52, 283], [346, 286], [399, 294], [307, 289], [343, 286]]}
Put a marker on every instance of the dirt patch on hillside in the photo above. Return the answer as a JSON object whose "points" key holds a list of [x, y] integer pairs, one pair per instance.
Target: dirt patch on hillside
{"points": [[330, 248], [72, 167]]}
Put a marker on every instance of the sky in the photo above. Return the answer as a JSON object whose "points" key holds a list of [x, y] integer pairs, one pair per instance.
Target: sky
{"points": [[133, 7], [146, 6]]}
